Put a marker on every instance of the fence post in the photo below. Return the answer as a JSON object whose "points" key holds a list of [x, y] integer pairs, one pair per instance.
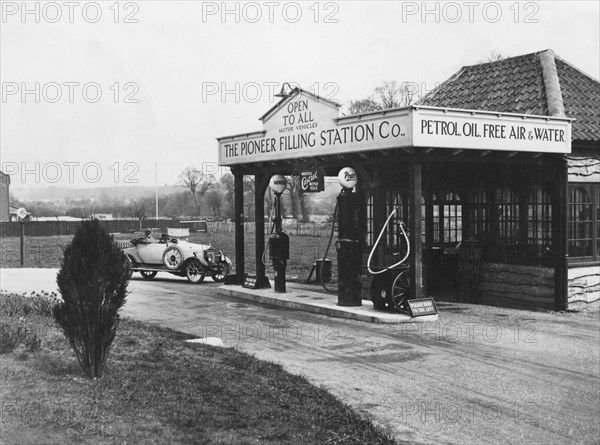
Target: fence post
{"points": [[22, 240]]}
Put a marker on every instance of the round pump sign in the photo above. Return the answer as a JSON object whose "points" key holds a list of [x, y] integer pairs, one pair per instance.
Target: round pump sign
{"points": [[347, 177], [278, 183], [21, 213]]}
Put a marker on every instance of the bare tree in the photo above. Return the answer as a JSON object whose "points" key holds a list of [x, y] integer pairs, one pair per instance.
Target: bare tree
{"points": [[197, 183], [390, 94], [298, 199], [494, 57], [269, 201], [178, 204], [139, 209], [214, 199], [393, 95], [363, 106], [228, 185], [304, 207], [249, 192]]}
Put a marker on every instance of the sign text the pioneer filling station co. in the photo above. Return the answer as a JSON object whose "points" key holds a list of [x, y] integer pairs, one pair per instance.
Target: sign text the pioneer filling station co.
{"points": [[301, 131], [305, 126], [332, 137]]}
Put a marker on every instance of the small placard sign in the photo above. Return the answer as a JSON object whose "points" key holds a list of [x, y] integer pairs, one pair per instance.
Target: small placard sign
{"points": [[312, 181], [422, 306], [253, 282], [250, 282]]}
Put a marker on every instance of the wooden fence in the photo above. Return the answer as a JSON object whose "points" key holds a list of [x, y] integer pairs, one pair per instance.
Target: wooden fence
{"points": [[55, 228], [302, 229]]}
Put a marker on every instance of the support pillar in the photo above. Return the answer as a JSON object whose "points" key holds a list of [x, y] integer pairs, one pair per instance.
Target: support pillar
{"points": [[429, 259], [415, 229], [559, 239], [238, 204], [261, 181]]}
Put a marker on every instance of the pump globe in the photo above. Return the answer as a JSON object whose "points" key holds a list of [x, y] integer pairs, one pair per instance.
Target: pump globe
{"points": [[278, 183], [347, 177]]}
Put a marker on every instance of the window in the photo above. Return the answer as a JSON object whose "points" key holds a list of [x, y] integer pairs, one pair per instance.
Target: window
{"points": [[392, 238], [392, 199], [507, 202], [478, 218], [583, 225], [452, 211], [447, 219], [539, 224], [436, 220], [507, 233]]}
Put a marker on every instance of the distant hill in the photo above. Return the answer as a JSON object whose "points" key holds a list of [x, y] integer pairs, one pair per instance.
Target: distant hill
{"points": [[70, 193]]}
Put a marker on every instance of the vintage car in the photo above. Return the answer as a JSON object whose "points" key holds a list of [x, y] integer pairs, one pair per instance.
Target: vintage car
{"points": [[173, 253]]}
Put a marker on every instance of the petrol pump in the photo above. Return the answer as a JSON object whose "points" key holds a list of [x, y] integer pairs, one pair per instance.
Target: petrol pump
{"points": [[279, 242], [349, 243]]}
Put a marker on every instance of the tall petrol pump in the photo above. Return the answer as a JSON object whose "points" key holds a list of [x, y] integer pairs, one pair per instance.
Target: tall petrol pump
{"points": [[349, 243], [279, 242]]}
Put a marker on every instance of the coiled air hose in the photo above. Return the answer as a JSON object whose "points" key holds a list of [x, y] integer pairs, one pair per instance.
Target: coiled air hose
{"points": [[387, 221]]}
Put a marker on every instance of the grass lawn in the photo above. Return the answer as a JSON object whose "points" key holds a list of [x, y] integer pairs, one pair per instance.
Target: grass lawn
{"points": [[159, 389], [46, 251]]}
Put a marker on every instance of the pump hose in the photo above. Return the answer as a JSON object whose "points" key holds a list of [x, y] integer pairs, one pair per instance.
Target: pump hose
{"points": [[387, 221], [272, 230], [327, 251]]}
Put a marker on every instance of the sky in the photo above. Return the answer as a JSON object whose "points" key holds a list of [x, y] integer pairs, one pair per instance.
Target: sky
{"points": [[132, 93]]}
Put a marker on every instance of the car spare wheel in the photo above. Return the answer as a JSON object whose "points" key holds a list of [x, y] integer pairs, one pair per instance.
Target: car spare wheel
{"points": [[173, 257]]}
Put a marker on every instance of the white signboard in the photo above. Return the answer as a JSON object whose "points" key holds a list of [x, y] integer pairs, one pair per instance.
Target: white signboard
{"points": [[305, 126], [490, 131]]}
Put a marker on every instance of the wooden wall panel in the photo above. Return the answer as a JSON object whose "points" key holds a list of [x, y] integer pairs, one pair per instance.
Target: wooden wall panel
{"points": [[515, 285]]}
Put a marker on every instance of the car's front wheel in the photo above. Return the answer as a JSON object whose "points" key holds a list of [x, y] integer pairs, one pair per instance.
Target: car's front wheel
{"points": [[194, 271], [148, 274], [220, 273]]}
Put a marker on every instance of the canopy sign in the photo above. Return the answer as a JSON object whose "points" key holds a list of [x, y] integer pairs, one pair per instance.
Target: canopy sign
{"points": [[490, 131], [303, 125]]}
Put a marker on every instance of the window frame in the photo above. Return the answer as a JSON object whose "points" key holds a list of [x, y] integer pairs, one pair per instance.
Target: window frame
{"points": [[594, 193]]}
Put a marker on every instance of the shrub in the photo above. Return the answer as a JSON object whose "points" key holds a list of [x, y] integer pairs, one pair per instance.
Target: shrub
{"points": [[32, 342], [93, 282], [11, 336], [42, 304], [11, 304], [35, 303]]}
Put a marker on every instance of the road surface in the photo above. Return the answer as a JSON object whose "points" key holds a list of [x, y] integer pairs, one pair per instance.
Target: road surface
{"points": [[478, 375]]}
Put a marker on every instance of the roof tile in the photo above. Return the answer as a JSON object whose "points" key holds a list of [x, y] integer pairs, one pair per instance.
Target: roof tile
{"points": [[517, 85]]}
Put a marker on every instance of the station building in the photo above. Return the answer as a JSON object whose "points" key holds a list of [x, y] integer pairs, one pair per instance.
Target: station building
{"points": [[504, 156]]}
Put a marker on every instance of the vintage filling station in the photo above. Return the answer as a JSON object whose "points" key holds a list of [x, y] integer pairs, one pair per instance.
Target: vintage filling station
{"points": [[495, 176]]}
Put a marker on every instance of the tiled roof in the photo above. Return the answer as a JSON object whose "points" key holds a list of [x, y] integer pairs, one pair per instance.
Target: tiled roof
{"points": [[518, 85], [581, 98]]}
